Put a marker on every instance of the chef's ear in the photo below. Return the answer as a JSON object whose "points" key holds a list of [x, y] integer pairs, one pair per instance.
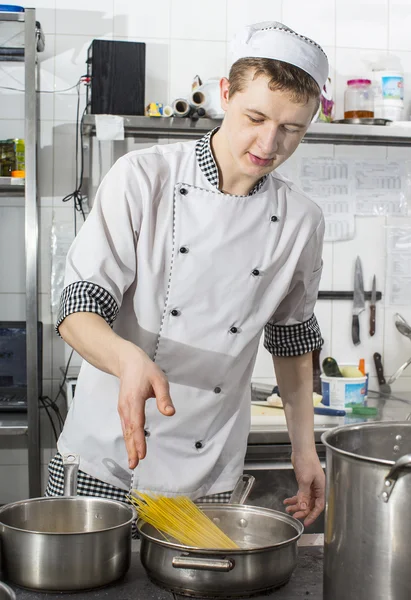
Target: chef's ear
{"points": [[224, 92]]}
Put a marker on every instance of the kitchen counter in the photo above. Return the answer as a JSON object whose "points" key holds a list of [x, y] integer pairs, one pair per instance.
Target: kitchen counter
{"points": [[393, 408], [306, 582]]}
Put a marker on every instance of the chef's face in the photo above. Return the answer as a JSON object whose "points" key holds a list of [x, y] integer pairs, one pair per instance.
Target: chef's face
{"points": [[262, 127]]}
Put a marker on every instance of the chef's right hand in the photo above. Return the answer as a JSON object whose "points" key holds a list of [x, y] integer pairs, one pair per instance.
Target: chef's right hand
{"points": [[140, 379]]}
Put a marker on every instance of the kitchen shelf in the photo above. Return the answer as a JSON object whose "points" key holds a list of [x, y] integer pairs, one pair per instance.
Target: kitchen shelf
{"points": [[32, 42], [17, 54], [13, 424], [318, 133], [12, 186], [12, 16]]}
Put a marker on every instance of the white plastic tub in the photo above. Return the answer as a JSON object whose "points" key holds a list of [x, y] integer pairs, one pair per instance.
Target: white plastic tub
{"points": [[337, 392]]}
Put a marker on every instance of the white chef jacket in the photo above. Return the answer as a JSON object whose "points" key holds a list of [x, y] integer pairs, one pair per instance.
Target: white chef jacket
{"points": [[192, 276]]}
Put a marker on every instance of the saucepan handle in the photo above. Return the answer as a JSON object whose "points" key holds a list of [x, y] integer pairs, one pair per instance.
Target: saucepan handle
{"points": [[242, 489], [71, 463], [203, 564], [402, 463]]}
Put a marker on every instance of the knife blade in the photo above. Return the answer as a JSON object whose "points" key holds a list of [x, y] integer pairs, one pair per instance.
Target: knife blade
{"points": [[359, 302], [373, 302]]}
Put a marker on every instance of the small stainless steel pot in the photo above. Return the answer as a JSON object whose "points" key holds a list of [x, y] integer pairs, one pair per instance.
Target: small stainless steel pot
{"points": [[266, 560], [65, 543], [6, 593]]}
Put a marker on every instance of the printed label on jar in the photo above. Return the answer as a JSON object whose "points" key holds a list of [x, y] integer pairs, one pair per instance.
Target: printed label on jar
{"points": [[392, 88]]}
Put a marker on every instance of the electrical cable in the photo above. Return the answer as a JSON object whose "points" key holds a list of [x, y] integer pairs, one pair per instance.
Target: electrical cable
{"points": [[13, 89], [51, 404], [61, 387], [50, 419], [77, 195]]}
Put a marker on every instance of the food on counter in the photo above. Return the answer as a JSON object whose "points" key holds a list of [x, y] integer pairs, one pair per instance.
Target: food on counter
{"points": [[361, 366], [181, 519], [331, 368], [275, 400], [350, 371]]}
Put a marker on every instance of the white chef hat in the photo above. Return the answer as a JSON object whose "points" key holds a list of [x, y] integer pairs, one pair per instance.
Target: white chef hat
{"points": [[274, 40]]}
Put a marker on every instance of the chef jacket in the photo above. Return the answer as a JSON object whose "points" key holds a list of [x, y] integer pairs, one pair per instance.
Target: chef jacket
{"points": [[192, 276]]}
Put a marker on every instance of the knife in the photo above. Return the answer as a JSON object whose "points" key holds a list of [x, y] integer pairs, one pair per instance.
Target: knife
{"points": [[384, 388], [372, 306], [359, 302]]}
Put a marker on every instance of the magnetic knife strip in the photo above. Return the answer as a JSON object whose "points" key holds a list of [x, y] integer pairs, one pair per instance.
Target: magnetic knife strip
{"points": [[324, 295]]}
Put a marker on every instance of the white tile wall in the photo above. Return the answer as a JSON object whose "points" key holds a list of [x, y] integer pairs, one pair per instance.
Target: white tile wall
{"points": [[189, 58], [319, 24], [89, 18], [181, 44], [142, 19], [245, 12], [196, 25], [361, 24], [400, 25]]}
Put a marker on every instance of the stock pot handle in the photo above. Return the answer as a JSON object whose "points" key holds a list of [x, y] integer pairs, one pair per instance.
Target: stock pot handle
{"points": [[71, 463], [242, 489], [203, 564], [402, 463]]}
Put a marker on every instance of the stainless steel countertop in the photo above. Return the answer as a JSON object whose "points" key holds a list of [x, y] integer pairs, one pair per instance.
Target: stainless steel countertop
{"points": [[395, 408], [390, 409], [306, 581]]}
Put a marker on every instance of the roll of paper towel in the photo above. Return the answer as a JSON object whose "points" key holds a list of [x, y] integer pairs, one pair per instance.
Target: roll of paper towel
{"points": [[207, 96], [181, 108]]}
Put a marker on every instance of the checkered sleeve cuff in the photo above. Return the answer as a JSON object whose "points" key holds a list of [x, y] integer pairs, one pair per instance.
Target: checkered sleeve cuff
{"points": [[84, 296], [293, 340]]}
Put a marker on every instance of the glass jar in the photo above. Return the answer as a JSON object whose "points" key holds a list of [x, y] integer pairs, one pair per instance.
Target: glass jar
{"points": [[359, 99]]}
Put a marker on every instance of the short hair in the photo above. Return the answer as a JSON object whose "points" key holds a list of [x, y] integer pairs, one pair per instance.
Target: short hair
{"points": [[282, 76]]}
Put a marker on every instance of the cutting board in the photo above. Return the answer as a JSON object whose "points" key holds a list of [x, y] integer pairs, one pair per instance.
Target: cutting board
{"points": [[270, 415]]}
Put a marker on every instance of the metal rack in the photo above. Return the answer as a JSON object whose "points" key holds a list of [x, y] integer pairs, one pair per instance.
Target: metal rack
{"points": [[22, 424], [318, 133]]}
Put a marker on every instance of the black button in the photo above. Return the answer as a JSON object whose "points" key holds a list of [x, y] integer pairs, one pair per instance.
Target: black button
{"points": [[234, 330], [256, 272], [274, 219], [183, 191], [146, 433], [175, 312], [199, 445], [183, 250], [217, 390]]}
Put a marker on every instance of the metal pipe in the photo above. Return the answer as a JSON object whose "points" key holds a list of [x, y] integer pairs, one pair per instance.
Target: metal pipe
{"points": [[31, 240]]}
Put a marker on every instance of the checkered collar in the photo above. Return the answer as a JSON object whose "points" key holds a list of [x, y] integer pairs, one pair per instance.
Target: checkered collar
{"points": [[208, 165]]}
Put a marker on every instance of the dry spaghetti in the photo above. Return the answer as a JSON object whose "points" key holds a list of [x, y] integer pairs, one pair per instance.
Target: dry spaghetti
{"points": [[181, 519]]}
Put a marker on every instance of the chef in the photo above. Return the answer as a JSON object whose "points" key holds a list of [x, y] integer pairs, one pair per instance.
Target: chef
{"points": [[190, 252]]}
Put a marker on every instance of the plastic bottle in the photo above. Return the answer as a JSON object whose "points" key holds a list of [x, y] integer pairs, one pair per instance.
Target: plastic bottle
{"points": [[359, 99], [389, 94]]}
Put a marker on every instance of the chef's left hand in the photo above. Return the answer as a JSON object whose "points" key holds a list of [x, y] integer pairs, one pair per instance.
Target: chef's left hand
{"points": [[309, 502]]}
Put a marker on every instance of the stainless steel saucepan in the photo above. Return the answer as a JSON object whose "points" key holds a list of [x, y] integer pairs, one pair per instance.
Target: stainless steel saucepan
{"points": [[266, 559], [65, 543]]}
